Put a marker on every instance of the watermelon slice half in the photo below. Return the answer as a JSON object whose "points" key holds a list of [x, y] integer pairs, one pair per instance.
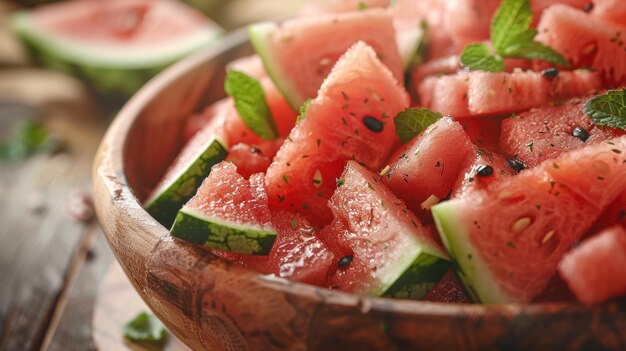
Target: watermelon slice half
{"points": [[508, 238], [298, 54], [228, 213], [115, 44]]}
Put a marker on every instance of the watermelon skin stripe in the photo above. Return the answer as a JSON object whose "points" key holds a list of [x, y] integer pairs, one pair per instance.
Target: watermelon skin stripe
{"points": [[419, 278], [165, 204], [221, 235]]}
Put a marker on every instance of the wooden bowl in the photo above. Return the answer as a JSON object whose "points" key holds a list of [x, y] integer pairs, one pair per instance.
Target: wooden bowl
{"points": [[211, 304]]}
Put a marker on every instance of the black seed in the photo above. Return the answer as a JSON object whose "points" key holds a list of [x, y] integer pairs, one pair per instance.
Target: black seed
{"points": [[484, 170], [550, 73], [515, 164], [255, 150], [588, 7], [580, 133], [345, 261], [373, 124]]}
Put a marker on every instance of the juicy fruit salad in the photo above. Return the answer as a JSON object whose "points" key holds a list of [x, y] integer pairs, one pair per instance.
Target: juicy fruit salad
{"points": [[450, 151]]}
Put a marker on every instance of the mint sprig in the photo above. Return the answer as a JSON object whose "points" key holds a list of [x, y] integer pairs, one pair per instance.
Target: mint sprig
{"points": [[412, 121], [27, 137], [511, 36], [145, 328], [251, 104], [608, 110]]}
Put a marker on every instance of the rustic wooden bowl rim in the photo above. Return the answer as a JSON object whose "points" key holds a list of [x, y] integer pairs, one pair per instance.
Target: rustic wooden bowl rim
{"points": [[112, 151]]}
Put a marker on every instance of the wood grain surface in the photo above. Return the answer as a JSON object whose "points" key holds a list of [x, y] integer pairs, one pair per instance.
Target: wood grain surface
{"points": [[211, 304]]}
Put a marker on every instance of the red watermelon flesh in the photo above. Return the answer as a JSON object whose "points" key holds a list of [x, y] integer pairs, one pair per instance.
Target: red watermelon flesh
{"points": [[297, 253], [483, 132], [596, 269], [479, 93], [336, 6], [251, 159], [614, 214], [468, 178], [547, 132], [556, 291], [383, 238], [429, 164], [360, 88], [610, 10], [516, 230], [448, 290], [226, 195], [300, 79], [586, 41]]}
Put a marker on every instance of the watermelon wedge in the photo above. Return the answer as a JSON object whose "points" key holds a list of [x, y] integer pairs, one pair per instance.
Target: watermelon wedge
{"points": [[547, 132], [509, 238], [117, 45], [586, 41], [307, 40], [390, 252], [478, 93], [184, 176], [596, 269], [228, 213], [350, 119]]}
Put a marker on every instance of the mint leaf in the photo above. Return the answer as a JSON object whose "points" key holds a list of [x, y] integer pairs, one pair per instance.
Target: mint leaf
{"points": [[412, 121], [477, 57], [512, 18], [27, 138], [608, 110], [250, 103], [535, 50], [145, 328], [303, 109], [361, 6]]}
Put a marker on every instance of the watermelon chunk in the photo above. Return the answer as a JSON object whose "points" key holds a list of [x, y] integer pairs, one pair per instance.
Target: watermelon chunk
{"points": [[251, 159], [475, 174], [297, 253], [479, 93], [186, 173], [508, 238], [614, 214], [586, 41], [116, 45], [307, 40], [360, 91], [610, 10], [547, 132], [429, 165], [390, 252], [227, 213], [449, 290], [596, 269]]}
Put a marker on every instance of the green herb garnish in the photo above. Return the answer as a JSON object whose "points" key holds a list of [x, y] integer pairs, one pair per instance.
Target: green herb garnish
{"points": [[251, 104], [511, 36], [145, 328], [412, 121], [27, 138], [361, 6], [303, 110], [608, 110]]}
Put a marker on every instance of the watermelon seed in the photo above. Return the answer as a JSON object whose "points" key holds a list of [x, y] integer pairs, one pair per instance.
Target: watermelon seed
{"points": [[588, 7], [521, 224], [547, 237], [373, 124], [484, 171], [255, 150], [580, 133], [430, 202], [384, 170], [317, 179], [345, 261], [515, 164], [550, 73]]}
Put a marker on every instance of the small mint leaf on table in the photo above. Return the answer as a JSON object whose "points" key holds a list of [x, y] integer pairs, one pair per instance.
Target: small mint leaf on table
{"points": [[608, 110], [411, 122], [27, 137], [251, 104], [145, 328], [478, 57]]}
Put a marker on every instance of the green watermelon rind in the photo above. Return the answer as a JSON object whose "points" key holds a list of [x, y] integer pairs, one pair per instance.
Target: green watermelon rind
{"points": [[219, 234], [473, 271], [260, 36], [107, 69], [169, 198], [421, 274]]}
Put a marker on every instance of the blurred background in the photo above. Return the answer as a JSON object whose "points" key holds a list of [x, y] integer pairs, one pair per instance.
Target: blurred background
{"points": [[65, 71]]}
